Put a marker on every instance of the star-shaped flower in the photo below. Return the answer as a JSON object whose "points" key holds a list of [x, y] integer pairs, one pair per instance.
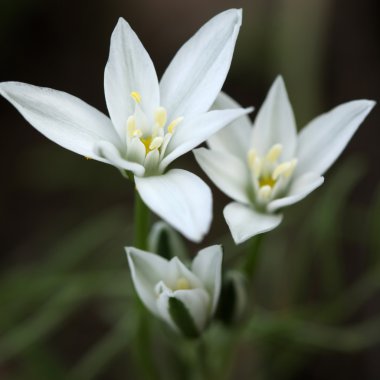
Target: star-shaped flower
{"points": [[269, 166], [151, 123]]}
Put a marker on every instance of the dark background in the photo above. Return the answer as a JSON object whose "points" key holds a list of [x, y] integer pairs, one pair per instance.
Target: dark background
{"points": [[64, 218]]}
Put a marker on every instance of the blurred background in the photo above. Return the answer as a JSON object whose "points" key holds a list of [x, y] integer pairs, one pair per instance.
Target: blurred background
{"points": [[67, 306]]}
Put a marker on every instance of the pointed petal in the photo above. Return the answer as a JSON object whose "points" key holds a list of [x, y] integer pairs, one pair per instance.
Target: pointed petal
{"points": [[227, 172], [324, 138], [180, 198], [62, 118], [207, 265], [195, 130], [176, 270], [235, 138], [197, 302], [274, 123], [147, 271], [112, 156], [299, 189], [129, 69], [197, 73], [245, 222]]}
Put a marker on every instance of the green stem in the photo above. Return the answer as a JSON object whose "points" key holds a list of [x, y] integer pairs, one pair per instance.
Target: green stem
{"points": [[143, 346], [253, 256], [141, 223]]}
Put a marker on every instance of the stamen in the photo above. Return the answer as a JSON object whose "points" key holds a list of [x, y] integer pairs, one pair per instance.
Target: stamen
{"points": [[160, 116], [282, 169], [254, 162], [274, 153], [137, 133], [182, 284], [156, 143], [131, 125], [136, 96], [174, 123], [265, 192]]}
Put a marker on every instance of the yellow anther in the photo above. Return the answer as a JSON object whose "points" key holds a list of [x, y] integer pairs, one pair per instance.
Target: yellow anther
{"points": [[156, 143], [136, 96], [254, 162], [283, 168], [274, 153], [265, 192], [160, 116], [182, 284], [131, 125], [293, 164], [173, 124], [88, 158]]}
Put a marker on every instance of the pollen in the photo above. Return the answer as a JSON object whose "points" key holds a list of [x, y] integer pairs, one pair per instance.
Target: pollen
{"points": [[183, 284], [136, 96]]}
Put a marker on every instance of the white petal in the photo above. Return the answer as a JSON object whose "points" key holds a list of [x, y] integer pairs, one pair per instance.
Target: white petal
{"points": [[245, 222], [136, 151], [324, 138], [129, 68], [62, 118], [197, 73], [235, 138], [180, 198], [112, 156], [274, 123], [197, 302], [151, 162], [147, 270], [177, 270], [195, 130], [163, 306], [207, 265], [226, 171], [299, 189]]}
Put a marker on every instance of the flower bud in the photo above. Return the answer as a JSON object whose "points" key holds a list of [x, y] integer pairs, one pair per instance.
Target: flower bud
{"points": [[184, 298]]}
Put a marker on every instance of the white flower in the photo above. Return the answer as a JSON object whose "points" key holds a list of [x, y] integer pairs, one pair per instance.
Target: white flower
{"points": [[166, 287], [269, 166], [151, 123]]}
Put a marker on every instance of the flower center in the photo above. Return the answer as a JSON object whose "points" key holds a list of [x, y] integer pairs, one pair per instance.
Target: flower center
{"points": [[154, 133], [182, 284], [269, 176]]}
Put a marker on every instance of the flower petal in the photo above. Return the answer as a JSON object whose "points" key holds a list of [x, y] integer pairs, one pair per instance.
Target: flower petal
{"points": [[196, 129], [129, 69], [197, 72], [245, 222], [147, 271], [207, 265], [226, 171], [299, 189], [197, 302], [112, 156], [274, 123], [235, 138], [62, 118], [180, 198], [324, 138]]}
